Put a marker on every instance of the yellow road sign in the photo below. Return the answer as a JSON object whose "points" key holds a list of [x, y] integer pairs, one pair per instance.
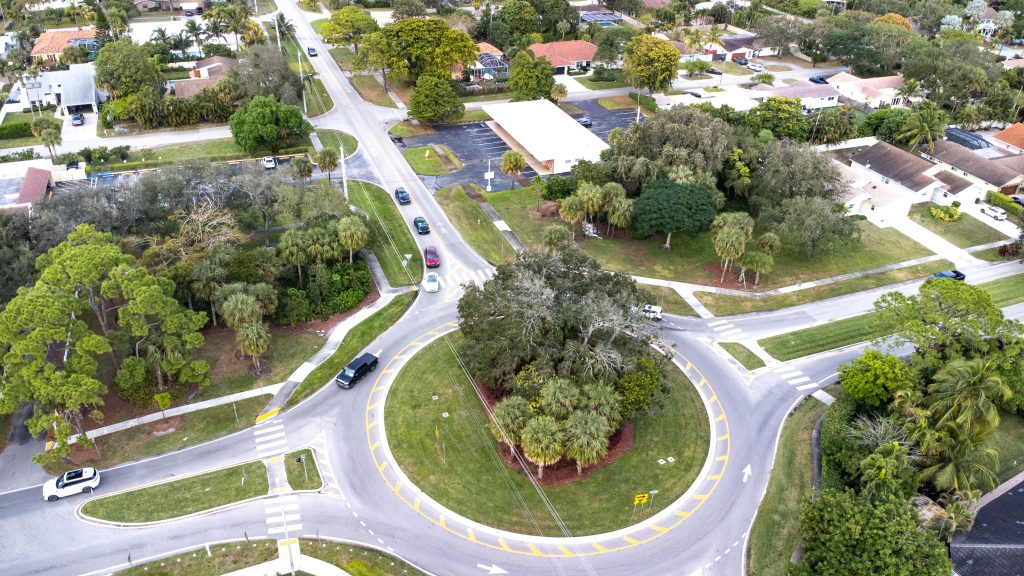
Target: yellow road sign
{"points": [[640, 499]]}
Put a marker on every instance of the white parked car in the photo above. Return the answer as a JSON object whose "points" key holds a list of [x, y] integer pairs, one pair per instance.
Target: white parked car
{"points": [[754, 67], [994, 212], [269, 163], [431, 282], [652, 312], [71, 483]]}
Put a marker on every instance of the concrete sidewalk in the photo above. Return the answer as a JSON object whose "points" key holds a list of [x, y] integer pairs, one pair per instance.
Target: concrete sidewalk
{"points": [[937, 244]]}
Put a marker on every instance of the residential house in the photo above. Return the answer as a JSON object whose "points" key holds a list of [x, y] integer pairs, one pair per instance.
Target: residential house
{"points": [[51, 43], [566, 55], [655, 4], [8, 42], [1003, 174], [867, 195], [871, 92], [746, 46], [1011, 138], [150, 5], [987, 23], [18, 192], [207, 73], [603, 18], [1013, 63], [993, 546], [812, 96], [490, 63], [72, 90]]}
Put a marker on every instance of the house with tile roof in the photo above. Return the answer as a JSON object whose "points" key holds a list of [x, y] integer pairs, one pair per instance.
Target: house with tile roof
{"points": [[51, 43], [207, 73], [566, 55], [812, 96], [871, 92], [1011, 138]]}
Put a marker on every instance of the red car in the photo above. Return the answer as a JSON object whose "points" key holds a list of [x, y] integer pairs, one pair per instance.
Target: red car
{"points": [[432, 257]]}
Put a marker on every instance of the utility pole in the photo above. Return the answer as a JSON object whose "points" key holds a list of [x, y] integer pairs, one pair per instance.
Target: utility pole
{"points": [[344, 173]]}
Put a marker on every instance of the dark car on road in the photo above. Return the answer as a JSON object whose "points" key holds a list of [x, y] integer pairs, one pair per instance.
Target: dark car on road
{"points": [[402, 196], [714, 71], [311, 51], [694, 94], [741, 61], [421, 225], [432, 257], [954, 274], [355, 370], [818, 80], [585, 121]]}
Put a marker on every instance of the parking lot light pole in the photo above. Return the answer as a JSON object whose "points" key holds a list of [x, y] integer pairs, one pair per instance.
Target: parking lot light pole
{"points": [[489, 175]]}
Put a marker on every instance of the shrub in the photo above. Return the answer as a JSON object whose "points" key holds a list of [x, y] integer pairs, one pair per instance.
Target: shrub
{"points": [[945, 213], [131, 383], [602, 74], [558, 187], [20, 155], [646, 102], [1006, 203], [292, 307], [15, 130], [840, 458], [956, 204]]}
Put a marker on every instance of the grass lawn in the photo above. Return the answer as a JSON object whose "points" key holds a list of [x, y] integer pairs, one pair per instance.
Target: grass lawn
{"points": [[357, 561], [474, 226], [966, 232], [390, 238], [992, 255], [299, 479], [748, 359], [808, 341], [287, 351], [424, 160], [669, 300], [337, 139], [724, 305], [12, 117], [693, 259], [733, 68], [358, 338], [264, 7], [183, 497], [318, 99], [776, 529], [616, 82], [472, 480], [316, 25], [1005, 291], [407, 129], [225, 558], [472, 116], [777, 68], [371, 90], [189, 429], [1008, 440], [618, 103], [570, 108], [486, 97], [26, 117], [343, 55]]}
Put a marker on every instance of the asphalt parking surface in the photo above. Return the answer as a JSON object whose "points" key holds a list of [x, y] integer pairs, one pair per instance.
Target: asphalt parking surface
{"points": [[474, 144], [604, 120]]}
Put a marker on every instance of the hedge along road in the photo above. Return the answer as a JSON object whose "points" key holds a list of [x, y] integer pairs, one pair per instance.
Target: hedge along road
{"points": [[661, 523]]}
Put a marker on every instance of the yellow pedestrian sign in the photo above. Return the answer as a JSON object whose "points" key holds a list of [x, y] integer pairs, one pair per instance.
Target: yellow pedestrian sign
{"points": [[640, 499]]}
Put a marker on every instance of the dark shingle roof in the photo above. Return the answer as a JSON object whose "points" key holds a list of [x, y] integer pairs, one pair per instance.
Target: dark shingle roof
{"points": [[954, 183], [995, 546], [963, 159], [895, 164]]}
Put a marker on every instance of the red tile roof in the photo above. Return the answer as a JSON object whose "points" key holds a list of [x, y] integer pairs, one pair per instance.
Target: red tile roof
{"points": [[53, 42], [488, 48], [565, 53], [1012, 135], [34, 186]]}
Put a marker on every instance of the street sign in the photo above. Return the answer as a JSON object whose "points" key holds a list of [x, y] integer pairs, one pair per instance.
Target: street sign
{"points": [[640, 499], [488, 175]]}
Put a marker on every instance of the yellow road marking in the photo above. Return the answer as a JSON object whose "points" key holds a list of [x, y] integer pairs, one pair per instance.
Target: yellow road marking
{"points": [[661, 529], [374, 445], [703, 381], [565, 551], [720, 417], [382, 466], [534, 549], [723, 437], [683, 513], [701, 497], [371, 406], [713, 399], [688, 365], [721, 458], [470, 534], [504, 545], [416, 505], [599, 547], [371, 425], [377, 388], [715, 477], [398, 487], [269, 414], [632, 540], [385, 371], [442, 522], [274, 459]]}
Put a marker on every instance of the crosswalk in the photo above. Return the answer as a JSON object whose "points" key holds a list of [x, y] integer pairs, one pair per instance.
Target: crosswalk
{"points": [[283, 516], [725, 329], [457, 278], [271, 438], [795, 378]]}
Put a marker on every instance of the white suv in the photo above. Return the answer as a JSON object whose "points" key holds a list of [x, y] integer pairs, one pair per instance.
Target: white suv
{"points": [[269, 162], [754, 67], [71, 483]]}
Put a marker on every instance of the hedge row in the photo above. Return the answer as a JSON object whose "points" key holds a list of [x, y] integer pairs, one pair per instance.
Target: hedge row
{"points": [[1006, 203], [15, 130], [142, 165], [646, 102]]}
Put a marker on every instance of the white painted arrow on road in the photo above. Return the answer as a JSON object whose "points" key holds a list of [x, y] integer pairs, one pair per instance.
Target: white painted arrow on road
{"points": [[747, 473], [492, 569]]}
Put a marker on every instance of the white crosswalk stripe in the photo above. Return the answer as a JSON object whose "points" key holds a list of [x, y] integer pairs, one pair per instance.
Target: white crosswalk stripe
{"points": [[262, 431], [726, 326], [799, 380], [790, 374], [732, 332], [284, 508], [285, 528], [269, 443], [718, 323], [807, 386], [282, 518], [269, 437]]}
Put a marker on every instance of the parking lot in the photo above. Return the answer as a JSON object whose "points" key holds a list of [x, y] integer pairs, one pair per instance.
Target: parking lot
{"points": [[605, 120], [474, 144]]}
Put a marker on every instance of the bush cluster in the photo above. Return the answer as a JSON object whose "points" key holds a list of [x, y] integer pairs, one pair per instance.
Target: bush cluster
{"points": [[1006, 203], [945, 213], [15, 130]]}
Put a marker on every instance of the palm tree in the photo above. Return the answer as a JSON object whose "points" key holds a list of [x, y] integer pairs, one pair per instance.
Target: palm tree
{"points": [[714, 35], [729, 243], [195, 31], [769, 243], [118, 20], [571, 210], [559, 397], [925, 124], [206, 277], [911, 89], [542, 442], [240, 309], [959, 515], [292, 249], [159, 36], [621, 214], [558, 92], [301, 168], [960, 459], [759, 262], [694, 40], [602, 399], [563, 27], [235, 19], [215, 29], [179, 42], [513, 163], [284, 26], [591, 198], [51, 139], [586, 439], [963, 391], [352, 234], [253, 338], [327, 159], [321, 245], [508, 420]]}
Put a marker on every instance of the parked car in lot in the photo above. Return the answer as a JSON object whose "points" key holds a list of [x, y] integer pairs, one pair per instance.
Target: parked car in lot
{"points": [[402, 196], [741, 61], [714, 71], [431, 256], [421, 225], [585, 121], [818, 80], [311, 51], [954, 274], [269, 163], [189, 13], [70, 483], [993, 212], [355, 370], [431, 282], [652, 312], [754, 67], [77, 120], [694, 94]]}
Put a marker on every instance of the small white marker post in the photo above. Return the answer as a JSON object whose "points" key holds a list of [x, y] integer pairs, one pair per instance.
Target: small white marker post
{"points": [[489, 175]]}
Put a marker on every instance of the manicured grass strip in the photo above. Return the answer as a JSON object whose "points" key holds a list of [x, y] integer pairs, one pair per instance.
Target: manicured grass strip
{"points": [[1005, 291], [264, 7], [337, 139], [474, 226], [617, 103], [183, 497], [371, 90], [776, 530], [357, 561], [724, 305], [190, 429], [357, 339], [1008, 440], [748, 359], [966, 232], [486, 97], [318, 99], [425, 161], [816, 339], [299, 479], [992, 255], [473, 116], [223, 558], [588, 82], [390, 238], [344, 56], [463, 472], [407, 129], [669, 300], [316, 25]]}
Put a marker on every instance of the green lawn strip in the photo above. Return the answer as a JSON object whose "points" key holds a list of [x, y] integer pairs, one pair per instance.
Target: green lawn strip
{"points": [[370, 89], [474, 226], [966, 232], [1005, 291], [467, 476], [189, 429], [406, 129], [588, 82], [1008, 440], [358, 338], [732, 68], [816, 339], [570, 108], [748, 359], [690, 256], [318, 99], [316, 25], [264, 7], [472, 116], [26, 117], [20, 142], [992, 255], [357, 561], [669, 300], [182, 497], [337, 139], [617, 103], [425, 161], [776, 530], [725, 305], [343, 55], [486, 97], [390, 238], [299, 479], [222, 558]]}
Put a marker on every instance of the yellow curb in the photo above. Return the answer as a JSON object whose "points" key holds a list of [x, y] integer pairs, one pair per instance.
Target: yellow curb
{"points": [[274, 459], [267, 415]]}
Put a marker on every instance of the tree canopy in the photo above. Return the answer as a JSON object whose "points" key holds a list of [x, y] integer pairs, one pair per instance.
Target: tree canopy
{"points": [[413, 47], [124, 68], [665, 207], [530, 78], [266, 124], [650, 63], [435, 100]]}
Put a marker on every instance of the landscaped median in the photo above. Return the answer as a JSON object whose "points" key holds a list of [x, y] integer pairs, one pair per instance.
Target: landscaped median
{"points": [[181, 497], [302, 470], [446, 450], [743, 355]]}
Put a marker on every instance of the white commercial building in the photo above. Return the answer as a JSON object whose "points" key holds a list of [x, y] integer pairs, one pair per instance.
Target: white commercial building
{"points": [[552, 137]]}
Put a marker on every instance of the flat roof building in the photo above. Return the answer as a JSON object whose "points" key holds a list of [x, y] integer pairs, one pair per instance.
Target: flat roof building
{"points": [[553, 138]]}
